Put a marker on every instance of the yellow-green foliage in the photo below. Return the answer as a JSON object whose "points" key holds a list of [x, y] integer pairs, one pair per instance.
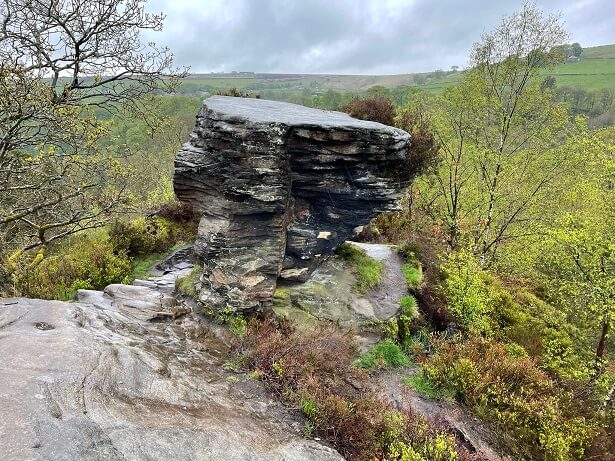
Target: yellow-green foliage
{"points": [[368, 270], [236, 321], [467, 292], [543, 331], [441, 448], [514, 393], [482, 305], [414, 276], [94, 259], [145, 235], [87, 262], [399, 329], [412, 268]]}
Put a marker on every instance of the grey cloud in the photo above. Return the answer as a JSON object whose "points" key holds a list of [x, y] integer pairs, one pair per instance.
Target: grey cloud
{"points": [[349, 36]]}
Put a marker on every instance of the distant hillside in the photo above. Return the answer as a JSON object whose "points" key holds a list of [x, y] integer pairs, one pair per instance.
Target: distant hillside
{"points": [[601, 52], [594, 71]]}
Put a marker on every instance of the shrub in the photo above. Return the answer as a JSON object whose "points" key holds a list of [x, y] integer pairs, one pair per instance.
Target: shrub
{"points": [[513, 393], [423, 151], [313, 371], [139, 236], [237, 93], [385, 354], [408, 313], [177, 212], [89, 262], [374, 108], [368, 270], [145, 235], [468, 295]]}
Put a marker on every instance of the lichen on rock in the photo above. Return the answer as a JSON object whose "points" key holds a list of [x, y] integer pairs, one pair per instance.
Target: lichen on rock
{"points": [[280, 186]]}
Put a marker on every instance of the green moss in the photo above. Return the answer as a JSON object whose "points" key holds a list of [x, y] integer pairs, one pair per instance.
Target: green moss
{"points": [[368, 270], [187, 285], [385, 354]]}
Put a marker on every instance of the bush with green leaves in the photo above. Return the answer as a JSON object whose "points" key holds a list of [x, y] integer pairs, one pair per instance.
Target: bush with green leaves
{"points": [[468, 292], [400, 329], [87, 262], [541, 420], [145, 235]]}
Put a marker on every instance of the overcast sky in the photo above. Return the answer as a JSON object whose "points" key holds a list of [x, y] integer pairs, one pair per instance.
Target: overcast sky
{"points": [[350, 36]]}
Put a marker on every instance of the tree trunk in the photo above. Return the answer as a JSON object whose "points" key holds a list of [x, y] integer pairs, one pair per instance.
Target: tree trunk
{"points": [[603, 336]]}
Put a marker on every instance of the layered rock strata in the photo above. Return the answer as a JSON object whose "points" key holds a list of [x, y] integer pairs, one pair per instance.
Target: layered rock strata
{"points": [[279, 186]]}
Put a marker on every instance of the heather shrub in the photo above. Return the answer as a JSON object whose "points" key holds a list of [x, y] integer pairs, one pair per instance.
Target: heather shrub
{"points": [[374, 108], [514, 394], [423, 152], [177, 212], [313, 371]]}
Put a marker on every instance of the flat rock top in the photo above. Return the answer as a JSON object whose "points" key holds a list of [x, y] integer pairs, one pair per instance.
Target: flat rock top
{"points": [[265, 111]]}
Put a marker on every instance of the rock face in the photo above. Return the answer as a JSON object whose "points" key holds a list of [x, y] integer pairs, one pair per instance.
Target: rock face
{"points": [[280, 186], [329, 292], [119, 376]]}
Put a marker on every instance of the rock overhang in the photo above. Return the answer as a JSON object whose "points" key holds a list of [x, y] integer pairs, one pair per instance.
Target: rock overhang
{"points": [[280, 186]]}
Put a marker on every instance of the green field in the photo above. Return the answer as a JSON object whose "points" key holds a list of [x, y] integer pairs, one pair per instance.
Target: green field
{"points": [[589, 74], [595, 70]]}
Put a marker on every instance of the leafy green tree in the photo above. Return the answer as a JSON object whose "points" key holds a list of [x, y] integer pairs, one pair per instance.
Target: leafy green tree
{"points": [[576, 50], [500, 134], [64, 61], [578, 251], [517, 122]]}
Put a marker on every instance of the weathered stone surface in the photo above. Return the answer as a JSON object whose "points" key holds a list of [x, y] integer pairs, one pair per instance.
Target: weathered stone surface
{"points": [[280, 186], [89, 382], [329, 293]]}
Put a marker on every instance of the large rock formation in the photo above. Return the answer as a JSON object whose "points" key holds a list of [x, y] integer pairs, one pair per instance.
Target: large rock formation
{"points": [[280, 186]]}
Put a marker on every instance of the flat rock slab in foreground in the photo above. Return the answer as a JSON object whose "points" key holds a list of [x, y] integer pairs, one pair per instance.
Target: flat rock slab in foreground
{"points": [[280, 186], [87, 382]]}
